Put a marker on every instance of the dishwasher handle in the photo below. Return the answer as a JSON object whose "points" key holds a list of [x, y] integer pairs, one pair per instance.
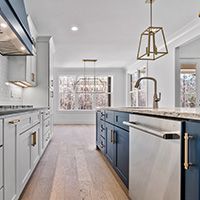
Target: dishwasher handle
{"points": [[167, 135]]}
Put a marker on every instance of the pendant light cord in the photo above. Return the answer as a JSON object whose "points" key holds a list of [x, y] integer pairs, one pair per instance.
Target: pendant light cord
{"points": [[151, 13]]}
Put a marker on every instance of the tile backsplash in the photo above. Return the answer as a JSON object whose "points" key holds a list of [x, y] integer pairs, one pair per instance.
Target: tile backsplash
{"points": [[9, 93]]}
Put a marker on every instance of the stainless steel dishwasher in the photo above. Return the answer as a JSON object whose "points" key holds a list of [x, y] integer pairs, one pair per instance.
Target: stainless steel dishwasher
{"points": [[154, 158]]}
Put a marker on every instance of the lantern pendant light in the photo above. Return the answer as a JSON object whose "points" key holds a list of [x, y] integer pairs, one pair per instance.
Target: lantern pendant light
{"points": [[148, 50]]}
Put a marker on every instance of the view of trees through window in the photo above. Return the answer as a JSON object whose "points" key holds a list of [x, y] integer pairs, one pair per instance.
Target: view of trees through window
{"points": [[138, 97], [188, 88], [84, 93]]}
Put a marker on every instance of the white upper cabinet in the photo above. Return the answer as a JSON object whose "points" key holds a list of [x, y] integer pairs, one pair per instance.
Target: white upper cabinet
{"points": [[45, 62], [22, 70]]}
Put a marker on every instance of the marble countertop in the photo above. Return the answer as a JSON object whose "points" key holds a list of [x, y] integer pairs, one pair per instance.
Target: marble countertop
{"points": [[179, 113], [10, 111]]}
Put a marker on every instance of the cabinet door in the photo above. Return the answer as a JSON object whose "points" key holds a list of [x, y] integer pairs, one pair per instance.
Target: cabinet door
{"points": [[191, 176], [122, 154], [110, 144], [31, 70], [120, 117], [34, 70], [10, 186], [109, 116], [23, 159], [35, 146]]}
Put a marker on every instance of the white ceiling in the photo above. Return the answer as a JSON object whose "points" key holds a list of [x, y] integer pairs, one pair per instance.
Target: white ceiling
{"points": [[109, 29]]}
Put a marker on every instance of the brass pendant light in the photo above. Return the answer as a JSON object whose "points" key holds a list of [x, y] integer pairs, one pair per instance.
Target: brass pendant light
{"points": [[147, 47]]}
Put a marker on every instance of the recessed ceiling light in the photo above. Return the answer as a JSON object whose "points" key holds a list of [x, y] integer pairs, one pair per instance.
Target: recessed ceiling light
{"points": [[3, 25], [23, 48], [74, 28]]}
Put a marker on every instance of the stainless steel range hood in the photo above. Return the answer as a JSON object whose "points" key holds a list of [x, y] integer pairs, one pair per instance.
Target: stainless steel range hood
{"points": [[15, 38]]}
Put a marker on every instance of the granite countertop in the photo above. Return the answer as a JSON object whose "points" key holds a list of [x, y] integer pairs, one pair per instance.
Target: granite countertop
{"points": [[10, 111], [179, 113]]}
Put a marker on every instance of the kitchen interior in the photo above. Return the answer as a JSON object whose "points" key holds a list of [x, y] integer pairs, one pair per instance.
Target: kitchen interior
{"points": [[99, 100]]}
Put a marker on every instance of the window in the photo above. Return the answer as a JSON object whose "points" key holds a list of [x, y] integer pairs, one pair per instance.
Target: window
{"points": [[79, 93], [188, 85], [137, 97]]}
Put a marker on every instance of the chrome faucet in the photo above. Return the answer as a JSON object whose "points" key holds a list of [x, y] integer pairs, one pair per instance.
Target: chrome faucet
{"points": [[156, 99]]}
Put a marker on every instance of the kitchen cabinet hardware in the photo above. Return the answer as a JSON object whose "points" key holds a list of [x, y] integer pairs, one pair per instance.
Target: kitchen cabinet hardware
{"points": [[101, 144], [187, 163], [111, 136], [102, 128], [33, 77], [14, 122], [33, 139], [168, 135]]}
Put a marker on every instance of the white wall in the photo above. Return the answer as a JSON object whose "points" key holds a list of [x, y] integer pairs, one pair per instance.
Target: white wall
{"points": [[9, 94], [88, 117], [163, 69]]}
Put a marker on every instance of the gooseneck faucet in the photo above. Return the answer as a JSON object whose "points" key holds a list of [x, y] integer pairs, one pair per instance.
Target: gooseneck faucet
{"points": [[156, 99]]}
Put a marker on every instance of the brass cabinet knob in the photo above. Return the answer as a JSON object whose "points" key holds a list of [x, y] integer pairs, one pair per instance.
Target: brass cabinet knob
{"points": [[14, 122]]}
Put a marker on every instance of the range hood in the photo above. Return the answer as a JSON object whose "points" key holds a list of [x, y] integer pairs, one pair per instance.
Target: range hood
{"points": [[15, 37]]}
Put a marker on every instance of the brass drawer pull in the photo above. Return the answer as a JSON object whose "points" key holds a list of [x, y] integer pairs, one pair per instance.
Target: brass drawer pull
{"points": [[187, 164], [14, 122], [114, 141], [111, 136], [33, 139]]}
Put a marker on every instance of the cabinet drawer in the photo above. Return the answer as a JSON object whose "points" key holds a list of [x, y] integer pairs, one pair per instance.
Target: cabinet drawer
{"points": [[1, 167], [35, 118], [24, 123], [1, 194], [109, 116], [1, 132], [119, 118], [46, 126]]}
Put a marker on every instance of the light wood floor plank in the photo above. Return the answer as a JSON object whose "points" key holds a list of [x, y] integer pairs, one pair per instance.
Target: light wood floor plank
{"points": [[72, 169]]}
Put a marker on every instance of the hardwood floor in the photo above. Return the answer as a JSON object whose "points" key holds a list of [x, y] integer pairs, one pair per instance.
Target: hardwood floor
{"points": [[72, 169]]}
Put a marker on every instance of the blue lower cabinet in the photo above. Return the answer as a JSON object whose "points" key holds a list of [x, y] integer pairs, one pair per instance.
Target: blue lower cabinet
{"points": [[110, 144], [113, 141], [122, 154], [191, 161]]}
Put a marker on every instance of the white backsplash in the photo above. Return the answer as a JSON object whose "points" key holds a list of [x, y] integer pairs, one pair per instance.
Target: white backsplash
{"points": [[9, 93]]}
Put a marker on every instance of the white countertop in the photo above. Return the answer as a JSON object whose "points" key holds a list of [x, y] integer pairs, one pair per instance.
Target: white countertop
{"points": [[179, 113]]}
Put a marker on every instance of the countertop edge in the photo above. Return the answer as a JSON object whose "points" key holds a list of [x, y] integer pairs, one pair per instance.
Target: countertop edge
{"points": [[9, 113], [171, 113]]}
